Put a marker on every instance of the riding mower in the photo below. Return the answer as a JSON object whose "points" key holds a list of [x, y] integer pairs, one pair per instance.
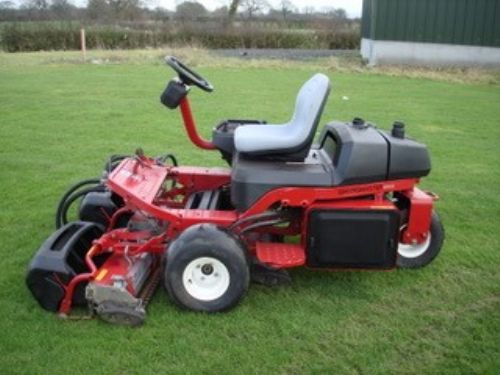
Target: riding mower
{"points": [[348, 202]]}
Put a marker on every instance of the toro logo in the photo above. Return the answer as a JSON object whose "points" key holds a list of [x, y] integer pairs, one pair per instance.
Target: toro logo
{"points": [[360, 189]]}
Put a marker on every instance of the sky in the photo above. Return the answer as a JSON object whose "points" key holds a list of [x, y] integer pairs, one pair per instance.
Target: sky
{"points": [[352, 7]]}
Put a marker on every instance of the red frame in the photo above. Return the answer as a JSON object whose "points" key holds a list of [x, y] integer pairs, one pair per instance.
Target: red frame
{"points": [[190, 126], [420, 215], [143, 184], [140, 184], [69, 289]]}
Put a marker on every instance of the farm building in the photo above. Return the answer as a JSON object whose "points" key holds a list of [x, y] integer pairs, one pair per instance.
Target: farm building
{"points": [[437, 32]]}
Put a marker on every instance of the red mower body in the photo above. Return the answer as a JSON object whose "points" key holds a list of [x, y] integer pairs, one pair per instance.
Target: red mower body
{"points": [[349, 202]]}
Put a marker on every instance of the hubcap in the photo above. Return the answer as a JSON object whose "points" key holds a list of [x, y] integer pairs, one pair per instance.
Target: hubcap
{"points": [[409, 250], [206, 278]]}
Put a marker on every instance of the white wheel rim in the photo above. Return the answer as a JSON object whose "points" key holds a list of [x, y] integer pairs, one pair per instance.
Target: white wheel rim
{"points": [[206, 278], [409, 250]]}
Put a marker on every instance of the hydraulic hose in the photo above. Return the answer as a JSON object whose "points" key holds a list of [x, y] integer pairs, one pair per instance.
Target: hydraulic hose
{"points": [[63, 219], [165, 157], [60, 213], [265, 223], [113, 161]]}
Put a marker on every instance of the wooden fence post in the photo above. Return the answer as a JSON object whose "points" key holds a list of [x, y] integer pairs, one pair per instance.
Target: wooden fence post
{"points": [[82, 44]]}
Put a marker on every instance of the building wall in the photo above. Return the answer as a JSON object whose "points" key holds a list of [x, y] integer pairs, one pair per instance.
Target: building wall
{"points": [[439, 54], [427, 24]]}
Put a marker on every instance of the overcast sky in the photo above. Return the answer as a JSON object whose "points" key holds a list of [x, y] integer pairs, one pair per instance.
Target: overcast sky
{"points": [[353, 7]]}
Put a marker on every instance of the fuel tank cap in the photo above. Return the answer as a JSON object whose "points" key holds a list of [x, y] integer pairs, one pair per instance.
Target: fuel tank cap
{"points": [[359, 123], [398, 129]]}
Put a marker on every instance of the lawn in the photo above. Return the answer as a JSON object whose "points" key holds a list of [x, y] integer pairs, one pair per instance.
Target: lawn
{"points": [[59, 120]]}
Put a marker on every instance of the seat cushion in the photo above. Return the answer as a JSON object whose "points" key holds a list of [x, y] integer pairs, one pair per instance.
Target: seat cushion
{"points": [[294, 135]]}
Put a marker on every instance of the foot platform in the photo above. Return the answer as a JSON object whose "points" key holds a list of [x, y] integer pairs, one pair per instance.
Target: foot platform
{"points": [[281, 255]]}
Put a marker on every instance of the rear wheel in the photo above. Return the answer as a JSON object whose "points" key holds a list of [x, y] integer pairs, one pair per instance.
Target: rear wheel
{"points": [[206, 270], [419, 255]]}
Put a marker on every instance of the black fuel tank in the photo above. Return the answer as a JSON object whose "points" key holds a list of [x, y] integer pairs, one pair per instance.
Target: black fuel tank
{"points": [[407, 158], [361, 153], [358, 152]]}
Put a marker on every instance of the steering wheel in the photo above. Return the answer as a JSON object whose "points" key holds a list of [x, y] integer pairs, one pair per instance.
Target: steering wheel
{"points": [[188, 76]]}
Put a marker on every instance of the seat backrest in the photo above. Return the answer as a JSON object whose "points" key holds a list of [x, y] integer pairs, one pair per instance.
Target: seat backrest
{"points": [[292, 140]]}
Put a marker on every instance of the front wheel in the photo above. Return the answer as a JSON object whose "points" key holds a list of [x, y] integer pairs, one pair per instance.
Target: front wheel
{"points": [[206, 270], [420, 255]]}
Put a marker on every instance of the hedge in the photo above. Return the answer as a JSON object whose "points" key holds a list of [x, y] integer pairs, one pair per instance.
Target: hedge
{"points": [[46, 38]]}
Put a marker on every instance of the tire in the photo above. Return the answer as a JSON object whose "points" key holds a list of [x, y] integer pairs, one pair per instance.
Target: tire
{"points": [[206, 269], [420, 255]]}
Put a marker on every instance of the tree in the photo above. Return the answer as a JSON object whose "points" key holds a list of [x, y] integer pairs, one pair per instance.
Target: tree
{"points": [[36, 9], [190, 10], [129, 10], [233, 7], [221, 12], [161, 14], [252, 7], [7, 11], [36, 4], [61, 8], [339, 14], [286, 8], [308, 10], [97, 9], [6, 5]]}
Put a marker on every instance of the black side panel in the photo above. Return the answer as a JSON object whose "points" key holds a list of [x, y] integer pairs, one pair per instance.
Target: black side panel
{"points": [[251, 179], [59, 259], [352, 239]]}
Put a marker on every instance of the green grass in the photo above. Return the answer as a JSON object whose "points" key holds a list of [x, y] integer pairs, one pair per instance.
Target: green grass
{"points": [[58, 123]]}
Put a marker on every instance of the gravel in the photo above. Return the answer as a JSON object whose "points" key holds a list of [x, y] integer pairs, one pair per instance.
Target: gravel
{"points": [[286, 54]]}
